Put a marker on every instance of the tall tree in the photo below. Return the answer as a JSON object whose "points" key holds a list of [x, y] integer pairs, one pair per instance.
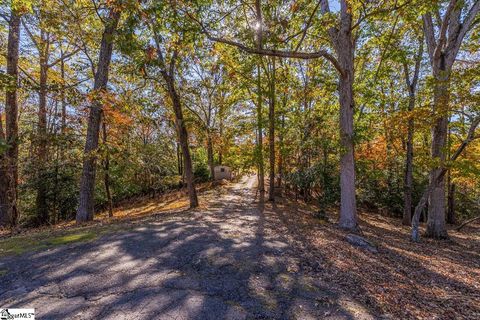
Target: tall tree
{"points": [[411, 82], [8, 189], [443, 43], [259, 153], [85, 210], [168, 70], [342, 39], [205, 96], [271, 130]]}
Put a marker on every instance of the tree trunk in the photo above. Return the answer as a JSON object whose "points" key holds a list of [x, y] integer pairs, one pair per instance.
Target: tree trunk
{"points": [[280, 155], [183, 137], [106, 173], [271, 134], [85, 210], [436, 226], [261, 174], [3, 181], [220, 150], [441, 175], [42, 132], [443, 48], [180, 162], [451, 216], [8, 209], [62, 97], [345, 52], [211, 165], [408, 180]]}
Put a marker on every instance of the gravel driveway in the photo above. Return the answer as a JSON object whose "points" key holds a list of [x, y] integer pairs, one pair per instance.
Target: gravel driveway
{"points": [[230, 261]]}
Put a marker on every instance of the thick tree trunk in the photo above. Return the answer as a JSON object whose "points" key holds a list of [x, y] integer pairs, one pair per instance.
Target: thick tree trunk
{"points": [[443, 48], [211, 164], [345, 52], [436, 226], [261, 171], [85, 210], [42, 132], [348, 209], [441, 175], [8, 206], [271, 134], [183, 138]]}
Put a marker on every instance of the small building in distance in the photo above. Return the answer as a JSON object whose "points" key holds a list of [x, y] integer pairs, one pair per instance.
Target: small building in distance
{"points": [[222, 172]]}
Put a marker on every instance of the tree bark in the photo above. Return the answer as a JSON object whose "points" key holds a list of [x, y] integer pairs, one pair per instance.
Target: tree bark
{"points": [[271, 133], [183, 137], [348, 209], [180, 161], [3, 180], [345, 47], [451, 215], [42, 132], [280, 155], [261, 171], [211, 164], [85, 210], [220, 150], [8, 206], [62, 97], [436, 226], [106, 173], [441, 174], [408, 180], [443, 47]]}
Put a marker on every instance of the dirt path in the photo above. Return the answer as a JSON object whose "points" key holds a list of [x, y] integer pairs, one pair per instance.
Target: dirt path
{"points": [[230, 261]]}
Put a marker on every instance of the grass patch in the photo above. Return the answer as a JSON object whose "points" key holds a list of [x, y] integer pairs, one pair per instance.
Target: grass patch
{"points": [[19, 244], [72, 238], [3, 272]]}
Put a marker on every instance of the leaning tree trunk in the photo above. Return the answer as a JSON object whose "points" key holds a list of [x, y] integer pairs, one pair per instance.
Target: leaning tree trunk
{"points": [[183, 137], [85, 210], [271, 134], [436, 226], [8, 204]]}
